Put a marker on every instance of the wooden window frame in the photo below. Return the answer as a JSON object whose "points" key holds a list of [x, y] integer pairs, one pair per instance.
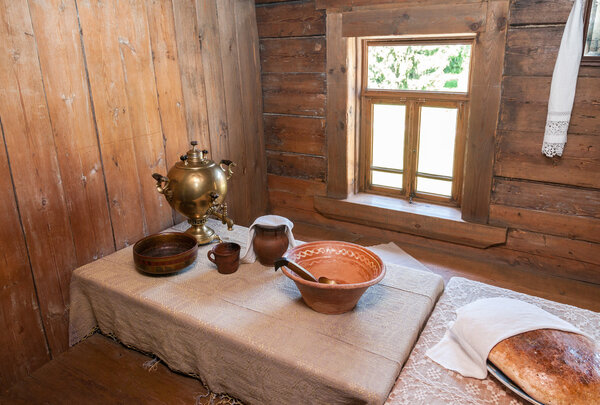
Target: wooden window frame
{"points": [[486, 20], [413, 101], [588, 60]]}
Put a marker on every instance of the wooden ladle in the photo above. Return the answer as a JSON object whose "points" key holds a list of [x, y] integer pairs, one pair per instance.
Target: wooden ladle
{"points": [[301, 271]]}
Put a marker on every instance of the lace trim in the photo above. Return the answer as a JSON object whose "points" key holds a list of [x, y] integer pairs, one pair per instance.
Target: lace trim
{"points": [[553, 149], [555, 138], [557, 128]]}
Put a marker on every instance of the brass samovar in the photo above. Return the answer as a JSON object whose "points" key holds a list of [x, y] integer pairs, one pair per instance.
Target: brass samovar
{"points": [[196, 187]]}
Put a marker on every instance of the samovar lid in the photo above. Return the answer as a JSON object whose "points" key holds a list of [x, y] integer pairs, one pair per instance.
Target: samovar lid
{"points": [[195, 157]]}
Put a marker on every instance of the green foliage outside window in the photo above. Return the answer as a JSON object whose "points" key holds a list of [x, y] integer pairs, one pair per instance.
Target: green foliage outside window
{"points": [[419, 67]]}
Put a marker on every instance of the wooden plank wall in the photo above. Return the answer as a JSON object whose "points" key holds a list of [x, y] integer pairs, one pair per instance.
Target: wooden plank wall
{"points": [[94, 98], [552, 206], [292, 55]]}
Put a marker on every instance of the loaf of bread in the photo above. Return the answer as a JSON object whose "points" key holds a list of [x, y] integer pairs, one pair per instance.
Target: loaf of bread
{"points": [[552, 366]]}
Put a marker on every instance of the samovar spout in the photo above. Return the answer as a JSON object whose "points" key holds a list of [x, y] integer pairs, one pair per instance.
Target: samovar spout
{"points": [[224, 218], [220, 211]]}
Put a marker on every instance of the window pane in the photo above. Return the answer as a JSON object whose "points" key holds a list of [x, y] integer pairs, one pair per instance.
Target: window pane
{"points": [[592, 42], [386, 179], [419, 67], [436, 140], [388, 136], [432, 186]]}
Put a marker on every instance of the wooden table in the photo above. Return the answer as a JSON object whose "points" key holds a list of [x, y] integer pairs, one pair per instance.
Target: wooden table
{"points": [[249, 334]]}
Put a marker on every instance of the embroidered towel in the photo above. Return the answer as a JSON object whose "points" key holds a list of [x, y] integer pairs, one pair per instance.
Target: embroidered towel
{"points": [[269, 221], [482, 324], [564, 82]]}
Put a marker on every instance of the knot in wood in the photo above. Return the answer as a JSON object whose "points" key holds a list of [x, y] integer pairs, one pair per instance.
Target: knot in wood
{"points": [[475, 26], [501, 23]]}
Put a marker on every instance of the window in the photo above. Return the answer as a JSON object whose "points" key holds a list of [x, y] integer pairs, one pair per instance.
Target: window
{"points": [[485, 25], [414, 104], [591, 51]]}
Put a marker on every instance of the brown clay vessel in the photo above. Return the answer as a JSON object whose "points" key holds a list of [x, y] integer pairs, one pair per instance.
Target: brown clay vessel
{"points": [[269, 243], [226, 255], [352, 266], [165, 253]]}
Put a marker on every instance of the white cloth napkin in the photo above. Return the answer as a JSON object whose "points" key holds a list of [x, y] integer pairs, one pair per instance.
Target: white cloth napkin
{"points": [[564, 82], [270, 221], [482, 324]]}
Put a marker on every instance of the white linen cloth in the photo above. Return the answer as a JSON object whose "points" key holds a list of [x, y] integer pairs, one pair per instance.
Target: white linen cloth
{"points": [[249, 334], [269, 221], [564, 82], [482, 324], [393, 254], [423, 381]]}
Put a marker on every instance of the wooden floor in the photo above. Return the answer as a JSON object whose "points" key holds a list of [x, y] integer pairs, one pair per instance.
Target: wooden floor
{"points": [[100, 370]]}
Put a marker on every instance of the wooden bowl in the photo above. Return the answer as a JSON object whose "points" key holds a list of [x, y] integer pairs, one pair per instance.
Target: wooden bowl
{"points": [[165, 253], [355, 266]]}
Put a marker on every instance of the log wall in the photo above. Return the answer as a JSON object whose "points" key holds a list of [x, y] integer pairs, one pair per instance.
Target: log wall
{"points": [[551, 206], [293, 53], [94, 98]]}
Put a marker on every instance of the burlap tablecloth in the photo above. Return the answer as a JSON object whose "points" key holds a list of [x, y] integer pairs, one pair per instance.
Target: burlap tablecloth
{"points": [[423, 381], [249, 334]]}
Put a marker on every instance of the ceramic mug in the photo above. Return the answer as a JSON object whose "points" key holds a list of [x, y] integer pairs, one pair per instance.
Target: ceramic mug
{"points": [[226, 256]]}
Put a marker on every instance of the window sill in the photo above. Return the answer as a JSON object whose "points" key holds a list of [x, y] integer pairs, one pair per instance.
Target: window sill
{"points": [[422, 219]]}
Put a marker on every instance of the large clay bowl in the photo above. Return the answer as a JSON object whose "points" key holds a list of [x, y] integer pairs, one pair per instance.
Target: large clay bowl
{"points": [[352, 266], [165, 253]]}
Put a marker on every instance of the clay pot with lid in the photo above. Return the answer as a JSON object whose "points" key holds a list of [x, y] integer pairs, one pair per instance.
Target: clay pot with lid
{"points": [[269, 243]]}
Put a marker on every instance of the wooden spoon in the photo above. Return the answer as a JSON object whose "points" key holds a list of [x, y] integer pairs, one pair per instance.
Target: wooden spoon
{"points": [[301, 271]]}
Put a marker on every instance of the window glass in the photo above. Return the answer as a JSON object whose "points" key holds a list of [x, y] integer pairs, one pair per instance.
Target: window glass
{"points": [[415, 110], [592, 42], [419, 67], [388, 136], [436, 140], [432, 186], [392, 180]]}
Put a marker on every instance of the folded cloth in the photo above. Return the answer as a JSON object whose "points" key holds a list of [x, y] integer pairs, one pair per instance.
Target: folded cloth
{"points": [[391, 253], [269, 221], [482, 324]]}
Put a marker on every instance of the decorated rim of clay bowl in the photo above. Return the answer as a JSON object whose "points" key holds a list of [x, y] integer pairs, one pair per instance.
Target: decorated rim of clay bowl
{"points": [[330, 246]]}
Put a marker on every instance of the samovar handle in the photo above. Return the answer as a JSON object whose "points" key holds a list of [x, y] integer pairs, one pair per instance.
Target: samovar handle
{"points": [[160, 179], [229, 165]]}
